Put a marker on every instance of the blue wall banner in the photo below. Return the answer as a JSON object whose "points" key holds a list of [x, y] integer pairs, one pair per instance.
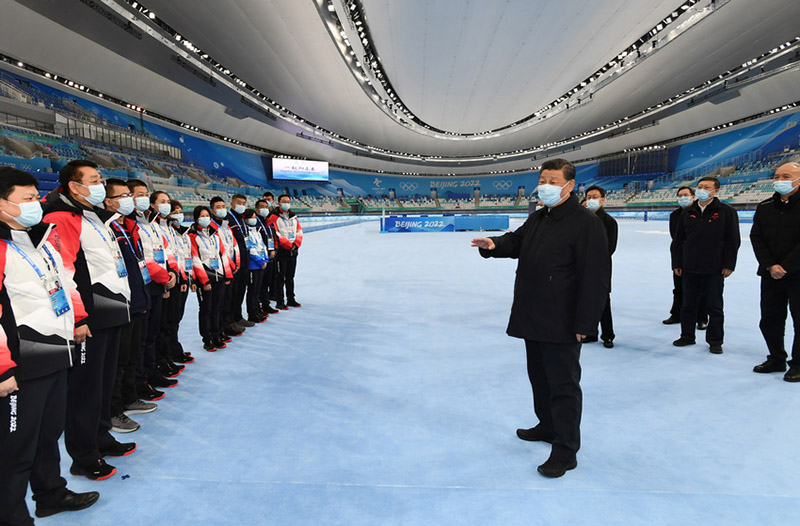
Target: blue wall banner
{"points": [[419, 224]]}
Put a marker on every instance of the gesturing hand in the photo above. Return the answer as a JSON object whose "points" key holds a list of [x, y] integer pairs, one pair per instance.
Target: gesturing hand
{"points": [[483, 242]]}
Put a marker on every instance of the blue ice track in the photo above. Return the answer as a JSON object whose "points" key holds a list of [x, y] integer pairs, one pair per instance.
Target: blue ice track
{"points": [[392, 396]]}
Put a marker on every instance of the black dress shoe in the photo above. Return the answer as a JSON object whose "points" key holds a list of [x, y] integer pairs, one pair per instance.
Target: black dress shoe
{"points": [[535, 434], [608, 344], [70, 502], [554, 468], [702, 325], [672, 320], [793, 375], [770, 366], [715, 348], [119, 449], [98, 471], [683, 342], [589, 339]]}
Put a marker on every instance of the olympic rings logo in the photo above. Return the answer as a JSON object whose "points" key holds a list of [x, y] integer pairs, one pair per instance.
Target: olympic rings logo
{"points": [[502, 185], [408, 187]]}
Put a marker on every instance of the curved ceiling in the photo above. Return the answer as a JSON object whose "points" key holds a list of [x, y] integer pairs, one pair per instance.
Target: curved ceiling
{"points": [[461, 66]]}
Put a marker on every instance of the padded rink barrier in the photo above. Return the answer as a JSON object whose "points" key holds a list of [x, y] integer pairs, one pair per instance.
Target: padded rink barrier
{"points": [[443, 223]]}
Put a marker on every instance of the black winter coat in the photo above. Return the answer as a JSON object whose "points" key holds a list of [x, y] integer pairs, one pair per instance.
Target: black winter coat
{"points": [[775, 234], [706, 241], [563, 274]]}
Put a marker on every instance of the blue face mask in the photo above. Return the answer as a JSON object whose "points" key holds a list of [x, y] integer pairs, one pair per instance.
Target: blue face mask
{"points": [[239, 209], [204, 221], [97, 193], [252, 221], [125, 205], [142, 203], [783, 187], [177, 218], [550, 194], [285, 206], [164, 209], [221, 213], [684, 201], [30, 213], [592, 204], [702, 195], [263, 212]]}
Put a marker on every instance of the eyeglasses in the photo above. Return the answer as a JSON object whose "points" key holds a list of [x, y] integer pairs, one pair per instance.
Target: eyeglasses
{"points": [[120, 196]]}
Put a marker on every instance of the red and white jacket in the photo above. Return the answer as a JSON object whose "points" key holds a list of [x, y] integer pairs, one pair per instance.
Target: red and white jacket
{"points": [[234, 258], [171, 248], [144, 234], [34, 341], [207, 246], [288, 228], [90, 253], [183, 251]]}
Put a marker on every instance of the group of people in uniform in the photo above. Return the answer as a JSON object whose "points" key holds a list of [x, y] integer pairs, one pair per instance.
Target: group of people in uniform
{"points": [[563, 282], [94, 280]]}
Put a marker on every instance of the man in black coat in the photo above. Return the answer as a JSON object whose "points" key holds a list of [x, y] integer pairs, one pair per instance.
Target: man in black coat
{"points": [[776, 241], [704, 254], [685, 199], [239, 228], [595, 199], [560, 290]]}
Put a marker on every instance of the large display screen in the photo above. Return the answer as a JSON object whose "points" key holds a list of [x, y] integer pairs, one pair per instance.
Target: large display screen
{"points": [[299, 170]]}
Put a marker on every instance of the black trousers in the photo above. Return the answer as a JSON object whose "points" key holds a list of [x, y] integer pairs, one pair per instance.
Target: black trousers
{"points": [[240, 280], [607, 322], [225, 311], [776, 295], [210, 311], [30, 453], [554, 371], [90, 383], [287, 266], [171, 315], [254, 288], [267, 283], [130, 348], [710, 286], [175, 347], [151, 327], [677, 301]]}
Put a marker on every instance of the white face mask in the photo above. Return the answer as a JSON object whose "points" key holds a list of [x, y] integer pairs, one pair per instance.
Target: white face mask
{"points": [[125, 205], [239, 209], [142, 203], [97, 193], [30, 213], [285, 206], [164, 209], [204, 221], [252, 221], [221, 213], [550, 194], [263, 212], [592, 204]]}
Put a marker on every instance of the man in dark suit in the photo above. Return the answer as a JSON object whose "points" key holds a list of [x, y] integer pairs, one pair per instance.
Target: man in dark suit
{"points": [[595, 200], [776, 241], [704, 254], [560, 290], [685, 199]]}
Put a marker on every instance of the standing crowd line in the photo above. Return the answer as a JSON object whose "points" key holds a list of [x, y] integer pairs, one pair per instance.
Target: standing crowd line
{"points": [[94, 280]]}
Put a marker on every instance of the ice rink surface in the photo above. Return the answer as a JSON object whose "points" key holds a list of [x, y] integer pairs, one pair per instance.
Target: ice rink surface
{"points": [[392, 396]]}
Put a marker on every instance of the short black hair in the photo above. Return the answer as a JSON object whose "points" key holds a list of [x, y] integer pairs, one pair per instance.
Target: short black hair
{"points": [[685, 188], [11, 177], [199, 209], [713, 180], [595, 187], [71, 171], [284, 195], [111, 183], [155, 195], [260, 201], [174, 203], [238, 196], [133, 183], [249, 213], [566, 167], [216, 199], [268, 194]]}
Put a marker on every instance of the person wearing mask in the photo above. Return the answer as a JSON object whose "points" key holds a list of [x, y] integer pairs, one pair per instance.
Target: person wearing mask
{"points": [[234, 260], [125, 397], [210, 274], [775, 237], [258, 258], [93, 260], [239, 228], [595, 200], [563, 254], [41, 319], [183, 255], [268, 233], [704, 254], [161, 209], [685, 199], [269, 199], [143, 232], [290, 237]]}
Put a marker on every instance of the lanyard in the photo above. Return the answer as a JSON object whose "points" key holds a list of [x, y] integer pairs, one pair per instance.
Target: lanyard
{"points": [[289, 224], [201, 236], [130, 243], [30, 261], [237, 221], [98, 230]]}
